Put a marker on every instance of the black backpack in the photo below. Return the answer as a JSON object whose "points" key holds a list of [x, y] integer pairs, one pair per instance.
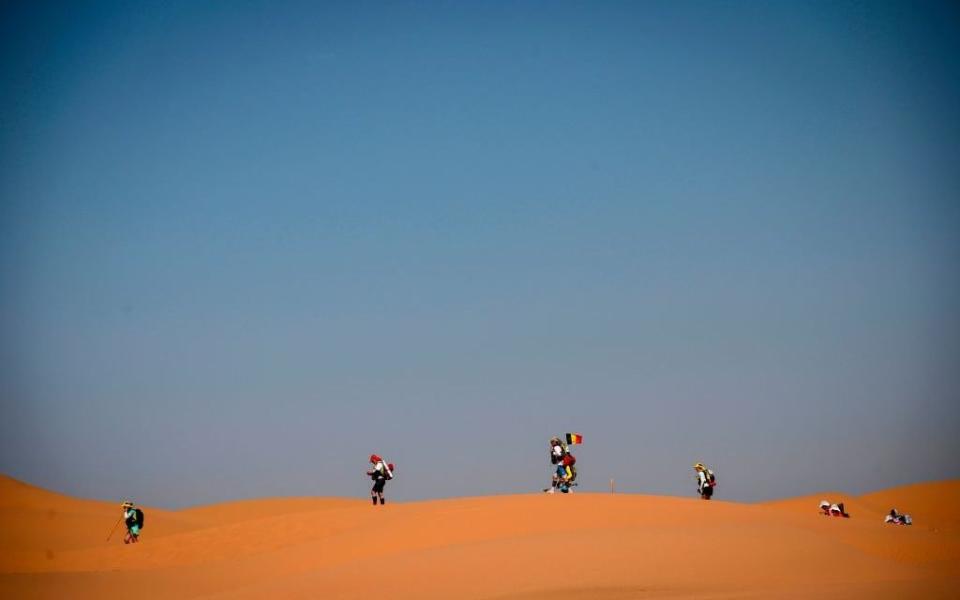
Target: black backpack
{"points": [[139, 518]]}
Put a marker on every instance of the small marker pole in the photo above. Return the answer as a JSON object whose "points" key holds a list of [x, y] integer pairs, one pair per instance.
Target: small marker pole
{"points": [[612, 486]]}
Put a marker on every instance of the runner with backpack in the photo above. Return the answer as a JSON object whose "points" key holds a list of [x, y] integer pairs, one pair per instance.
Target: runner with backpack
{"points": [[133, 519], [706, 481], [381, 473]]}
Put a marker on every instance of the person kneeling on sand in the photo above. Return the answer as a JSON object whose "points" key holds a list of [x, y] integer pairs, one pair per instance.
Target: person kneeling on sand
{"points": [[833, 510], [380, 474], [133, 518], [898, 519]]}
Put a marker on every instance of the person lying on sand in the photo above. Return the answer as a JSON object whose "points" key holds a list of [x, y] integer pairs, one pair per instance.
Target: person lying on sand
{"points": [[898, 519], [833, 510]]}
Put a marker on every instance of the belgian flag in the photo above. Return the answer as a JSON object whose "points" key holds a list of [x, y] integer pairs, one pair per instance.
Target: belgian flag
{"points": [[574, 438]]}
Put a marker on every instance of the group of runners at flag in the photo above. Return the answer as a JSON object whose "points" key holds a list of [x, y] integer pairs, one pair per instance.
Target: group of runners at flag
{"points": [[564, 462], [565, 470]]}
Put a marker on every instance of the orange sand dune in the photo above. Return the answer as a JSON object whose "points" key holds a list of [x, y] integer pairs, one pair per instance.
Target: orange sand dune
{"points": [[528, 547], [37, 520], [852, 504], [933, 505], [245, 510]]}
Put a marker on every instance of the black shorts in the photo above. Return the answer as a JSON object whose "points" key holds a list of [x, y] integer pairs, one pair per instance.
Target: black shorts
{"points": [[378, 485]]}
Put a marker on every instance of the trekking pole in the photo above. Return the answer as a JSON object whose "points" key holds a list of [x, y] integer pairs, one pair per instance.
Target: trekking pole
{"points": [[114, 528]]}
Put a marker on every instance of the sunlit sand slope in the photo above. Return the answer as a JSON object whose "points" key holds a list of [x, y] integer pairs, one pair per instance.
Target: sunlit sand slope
{"points": [[509, 547]]}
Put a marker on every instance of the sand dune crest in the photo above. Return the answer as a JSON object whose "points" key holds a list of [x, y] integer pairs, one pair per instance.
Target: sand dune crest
{"points": [[508, 547]]}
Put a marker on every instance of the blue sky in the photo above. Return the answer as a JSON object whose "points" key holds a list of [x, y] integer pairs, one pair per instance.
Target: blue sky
{"points": [[244, 245]]}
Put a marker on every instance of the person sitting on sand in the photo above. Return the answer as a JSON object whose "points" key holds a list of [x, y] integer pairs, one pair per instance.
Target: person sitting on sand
{"points": [[898, 519], [380, 474], [133, 518], [706, 481], [833, 510]]}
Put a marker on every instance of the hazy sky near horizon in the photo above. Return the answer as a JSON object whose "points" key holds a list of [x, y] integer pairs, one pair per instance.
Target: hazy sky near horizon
{"points": [[245, 244]]}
